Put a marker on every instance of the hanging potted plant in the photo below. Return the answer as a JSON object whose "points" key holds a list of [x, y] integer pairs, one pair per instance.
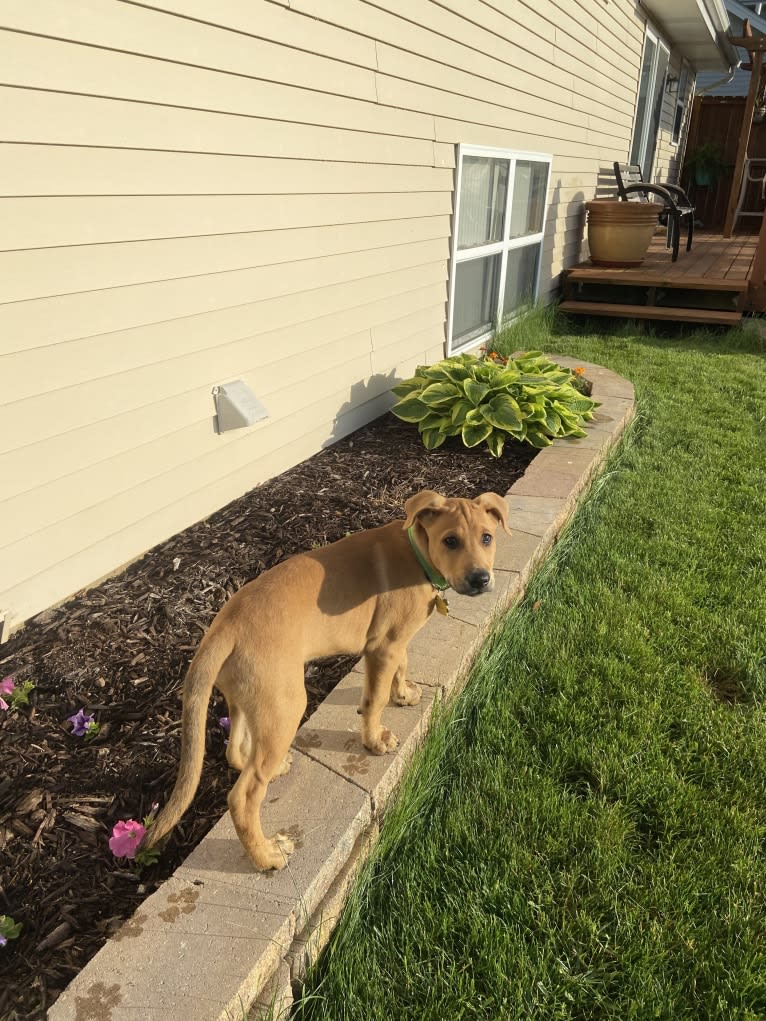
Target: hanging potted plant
{"points": [[759, 110], [705, 164]]}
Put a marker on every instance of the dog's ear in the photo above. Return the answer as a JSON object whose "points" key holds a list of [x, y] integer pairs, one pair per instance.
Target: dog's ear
{"points": [[495, 505], [422, 502]]}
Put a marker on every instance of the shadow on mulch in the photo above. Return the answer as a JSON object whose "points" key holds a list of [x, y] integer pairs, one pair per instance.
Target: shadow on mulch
{"points": [[120, 650]]}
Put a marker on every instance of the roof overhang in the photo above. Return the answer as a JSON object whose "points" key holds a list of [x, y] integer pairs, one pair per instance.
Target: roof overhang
{"points": [[698, 29]]}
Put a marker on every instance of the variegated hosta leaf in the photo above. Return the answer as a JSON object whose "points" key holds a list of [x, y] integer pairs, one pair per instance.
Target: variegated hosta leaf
{"points": [[435, 421], [411, 410], [473, 435], [456, 369], [503, 412], [409, 386], [433, 438], [496, 442], [527, 361], [581, 404], [537, 438], [506, 377], [475, 417], [460, 410], [552, 422], [434, 372], [475, 391], [439, 393]]}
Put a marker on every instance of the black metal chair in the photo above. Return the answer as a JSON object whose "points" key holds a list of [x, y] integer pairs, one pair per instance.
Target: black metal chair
{"points": [[677, 205]]}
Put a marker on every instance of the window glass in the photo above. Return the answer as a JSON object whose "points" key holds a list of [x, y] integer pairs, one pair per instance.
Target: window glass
{"points": [[530, 183], [647, 66], [476, 286], [658, 93], [520, 278], [483, 198]]}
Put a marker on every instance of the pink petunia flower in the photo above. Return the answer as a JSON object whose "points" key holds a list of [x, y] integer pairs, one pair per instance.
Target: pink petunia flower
{"points": [[126, 836], [3, 703], [7, 687]]}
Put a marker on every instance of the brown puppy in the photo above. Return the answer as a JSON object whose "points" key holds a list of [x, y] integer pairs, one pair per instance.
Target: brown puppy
{"points": [[367, 593]]}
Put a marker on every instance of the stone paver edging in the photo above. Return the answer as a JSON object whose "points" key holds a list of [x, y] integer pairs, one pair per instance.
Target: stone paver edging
{"points": [[218, 937]]}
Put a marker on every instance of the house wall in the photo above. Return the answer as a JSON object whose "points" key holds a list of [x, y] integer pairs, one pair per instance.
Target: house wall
{"points": [[194, 193]]}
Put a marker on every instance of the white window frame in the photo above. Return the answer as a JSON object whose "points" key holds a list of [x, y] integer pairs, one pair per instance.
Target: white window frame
{"points": [[502, 247]]}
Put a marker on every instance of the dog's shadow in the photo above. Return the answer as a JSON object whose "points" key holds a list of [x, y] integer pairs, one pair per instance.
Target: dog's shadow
{"points": [[342, 741], [223, 855], [347, 695]]}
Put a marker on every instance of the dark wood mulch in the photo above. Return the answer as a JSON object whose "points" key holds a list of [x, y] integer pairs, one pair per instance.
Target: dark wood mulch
{"points": [[120, 650]]}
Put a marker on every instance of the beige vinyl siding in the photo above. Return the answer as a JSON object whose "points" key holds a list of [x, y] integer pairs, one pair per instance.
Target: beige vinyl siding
{"points": [[52, 170], [195, 193], [42, 272]]}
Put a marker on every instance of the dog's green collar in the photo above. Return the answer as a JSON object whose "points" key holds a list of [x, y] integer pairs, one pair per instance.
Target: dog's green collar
{"points": [[431, 573]]}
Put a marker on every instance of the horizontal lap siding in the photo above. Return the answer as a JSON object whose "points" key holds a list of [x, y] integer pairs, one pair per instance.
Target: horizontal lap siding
{"points": [[194, 193]]}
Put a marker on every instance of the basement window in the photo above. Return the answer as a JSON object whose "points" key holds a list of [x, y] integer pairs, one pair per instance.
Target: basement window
{"points": [[497, 240]]}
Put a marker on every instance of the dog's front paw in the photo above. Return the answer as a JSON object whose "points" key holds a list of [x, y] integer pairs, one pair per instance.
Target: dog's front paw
{"points": [[407, 694], [273, 854], [384, 742]]}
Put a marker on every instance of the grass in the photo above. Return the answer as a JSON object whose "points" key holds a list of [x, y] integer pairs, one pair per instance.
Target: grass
{"points": [[583, 834]]}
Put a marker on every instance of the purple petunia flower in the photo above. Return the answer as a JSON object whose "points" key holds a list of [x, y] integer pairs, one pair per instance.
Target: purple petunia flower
{"points": [[224, 723], [81, 722], [3, 940]]}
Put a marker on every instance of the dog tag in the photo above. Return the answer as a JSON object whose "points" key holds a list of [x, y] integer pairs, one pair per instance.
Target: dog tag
{"points": [[442, 606]]}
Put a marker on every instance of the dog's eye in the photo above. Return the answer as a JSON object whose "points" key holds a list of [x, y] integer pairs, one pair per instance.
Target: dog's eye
{"points": [[486, 539], [450, 541]]}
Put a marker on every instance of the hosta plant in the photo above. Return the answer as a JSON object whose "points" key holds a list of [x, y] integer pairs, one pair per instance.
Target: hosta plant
{"points": [[528, 398]]}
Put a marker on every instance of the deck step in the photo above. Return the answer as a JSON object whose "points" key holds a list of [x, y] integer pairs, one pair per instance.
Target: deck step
{"points": [[682, 315], [653, 277]]}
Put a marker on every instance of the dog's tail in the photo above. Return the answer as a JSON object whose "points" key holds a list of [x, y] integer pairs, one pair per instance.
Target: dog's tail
{"points": [[198, 686]]}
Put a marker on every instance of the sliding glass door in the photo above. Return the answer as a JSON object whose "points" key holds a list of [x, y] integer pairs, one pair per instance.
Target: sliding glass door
{"points": [[651, 89]]}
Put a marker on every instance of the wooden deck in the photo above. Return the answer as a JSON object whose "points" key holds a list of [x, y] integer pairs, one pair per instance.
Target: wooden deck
{"points": [[709, 284]]}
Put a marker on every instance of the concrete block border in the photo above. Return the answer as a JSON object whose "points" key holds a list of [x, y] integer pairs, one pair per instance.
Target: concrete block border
{"points": [[219, 942]]}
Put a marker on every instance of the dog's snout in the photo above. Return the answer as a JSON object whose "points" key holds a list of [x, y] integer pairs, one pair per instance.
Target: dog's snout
{"points": [[479, 580]]}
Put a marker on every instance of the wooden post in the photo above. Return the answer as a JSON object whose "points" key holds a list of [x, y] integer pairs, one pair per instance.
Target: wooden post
{"points": [[757, 278], [756, 59]]}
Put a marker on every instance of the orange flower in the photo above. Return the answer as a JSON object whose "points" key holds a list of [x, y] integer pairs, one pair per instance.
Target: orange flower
{"points": [[580, 371]]}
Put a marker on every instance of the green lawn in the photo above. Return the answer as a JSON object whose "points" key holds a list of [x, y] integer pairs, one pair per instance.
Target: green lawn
{"points": [[584, 834]]}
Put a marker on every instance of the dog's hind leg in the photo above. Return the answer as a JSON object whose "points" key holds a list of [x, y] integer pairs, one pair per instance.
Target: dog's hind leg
{"points": [[240, 743], [271, 733], [381, 666], [284, 766], [404, 692]]}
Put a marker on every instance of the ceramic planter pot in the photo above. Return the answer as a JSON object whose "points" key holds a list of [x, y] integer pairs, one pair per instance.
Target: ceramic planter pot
{"points": [[619, 233]]}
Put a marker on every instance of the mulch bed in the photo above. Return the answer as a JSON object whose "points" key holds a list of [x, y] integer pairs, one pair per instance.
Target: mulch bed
{"points": [[120, 650]]}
